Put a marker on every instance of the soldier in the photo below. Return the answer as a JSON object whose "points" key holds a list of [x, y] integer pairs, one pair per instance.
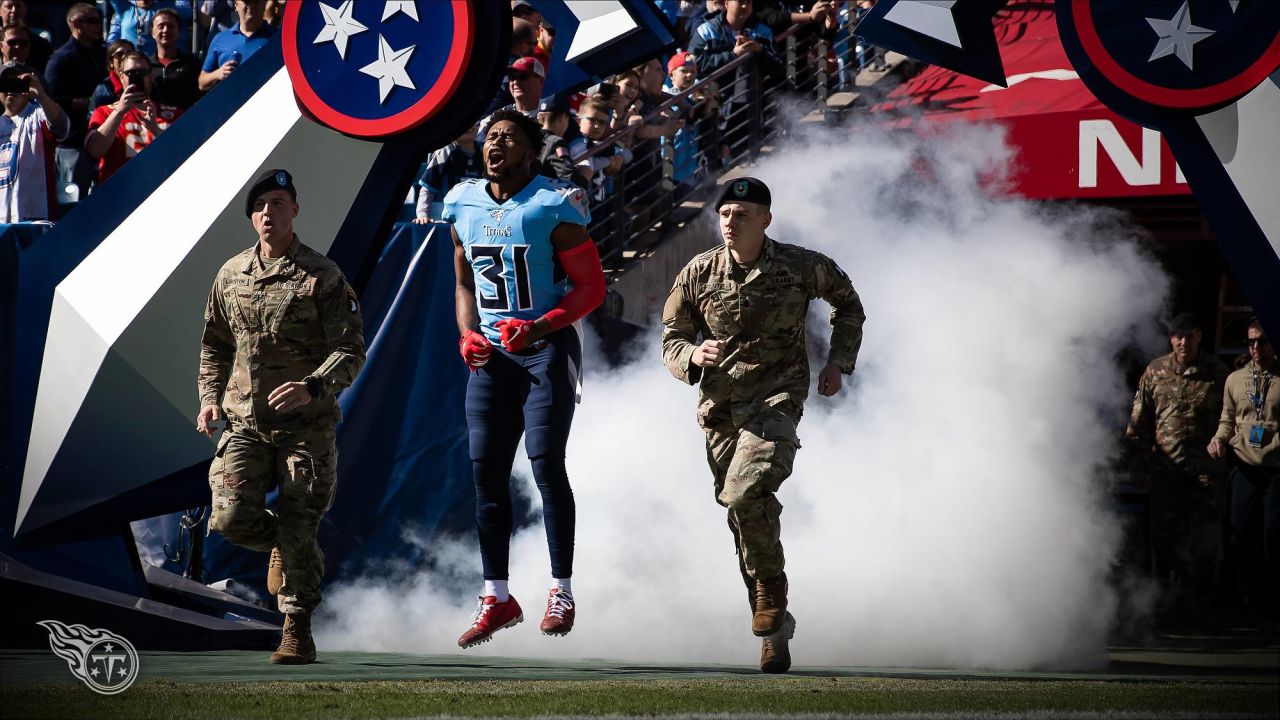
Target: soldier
{"points": [[282, 335], [748, 301], [1247, 436], [1175, 413]]}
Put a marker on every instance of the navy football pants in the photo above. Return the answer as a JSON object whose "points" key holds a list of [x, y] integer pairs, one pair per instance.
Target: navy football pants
{"points": [[533, 392]]}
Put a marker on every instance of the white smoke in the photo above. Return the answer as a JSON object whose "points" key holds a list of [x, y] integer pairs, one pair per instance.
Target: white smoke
{"points": [[944, 510]]}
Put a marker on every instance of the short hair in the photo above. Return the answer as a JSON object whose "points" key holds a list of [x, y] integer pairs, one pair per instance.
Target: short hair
{"points": [[119, 47], [1254, 324], [530, 127], [79, 9], [522, 10], [19, 26], [136, 55], [596, 104], [523, 31], [625, 74], [177, 19]]}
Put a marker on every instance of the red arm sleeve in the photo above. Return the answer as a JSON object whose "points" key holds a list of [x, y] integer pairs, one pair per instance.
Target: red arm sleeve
{"points": [[582, 265]]}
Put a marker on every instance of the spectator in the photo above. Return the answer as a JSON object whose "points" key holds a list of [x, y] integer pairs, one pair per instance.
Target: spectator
{"points": [[16, 43], [273, 11], [626, 101], [447, 167], [14, 12], [1247, 436], [74, 70], [133, 23], [120, 131], [781, 16], [555, 162], [231, 47], [177, 72], [544, 36], [523, 10], [32, 121], [524, 41], [525, 78], [736, 31], [1175, 413], [701, 107], [593, 122], [108, 91], [217, 16]]}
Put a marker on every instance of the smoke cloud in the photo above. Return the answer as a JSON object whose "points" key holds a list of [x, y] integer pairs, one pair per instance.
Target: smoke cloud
{"points": [[946, 508]]}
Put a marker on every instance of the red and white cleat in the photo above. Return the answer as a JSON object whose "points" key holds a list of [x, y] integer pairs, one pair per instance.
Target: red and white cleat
{"points": [[559, 617], [491, 616]]}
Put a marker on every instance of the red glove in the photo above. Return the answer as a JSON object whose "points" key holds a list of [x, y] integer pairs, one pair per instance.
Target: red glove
{"points": [[514, 333], [475, 349]]}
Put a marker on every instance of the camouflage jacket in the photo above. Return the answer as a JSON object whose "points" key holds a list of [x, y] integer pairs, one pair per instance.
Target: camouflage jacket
{"points": [[762, 318], [265, 325], [1176, 411]]}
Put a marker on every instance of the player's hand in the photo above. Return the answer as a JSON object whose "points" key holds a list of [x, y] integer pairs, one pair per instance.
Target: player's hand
{"points": [[209, 414], [516, 334], [829, 382], [475, 349], [289, 396], [709, 353], [1216, 449]]}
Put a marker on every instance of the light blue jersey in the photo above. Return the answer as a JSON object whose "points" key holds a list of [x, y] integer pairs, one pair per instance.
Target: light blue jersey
{"points": [[509, 245]]}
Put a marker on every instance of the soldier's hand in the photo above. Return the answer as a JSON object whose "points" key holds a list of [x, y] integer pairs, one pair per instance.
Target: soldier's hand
{"points": [[289, 396], [709, 353], [209, 414], [829, 381], [1216, 450]]}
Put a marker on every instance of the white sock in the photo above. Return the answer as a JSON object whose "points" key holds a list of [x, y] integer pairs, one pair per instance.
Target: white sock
{"points": [[498, 589], [564, 585]]}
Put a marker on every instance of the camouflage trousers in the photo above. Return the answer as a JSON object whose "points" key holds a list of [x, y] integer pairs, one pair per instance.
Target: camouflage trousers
{"points": [[749, 463], [304, 466]]}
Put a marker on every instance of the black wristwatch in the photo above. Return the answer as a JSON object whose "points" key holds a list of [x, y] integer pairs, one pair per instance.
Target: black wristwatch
{"points": [[314, 386]]}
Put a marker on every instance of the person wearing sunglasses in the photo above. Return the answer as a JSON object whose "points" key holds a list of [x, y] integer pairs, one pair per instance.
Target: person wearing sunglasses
{"points": [[1247, 438], [118, 132], [74, 70], [16, 44], [14, 12]]}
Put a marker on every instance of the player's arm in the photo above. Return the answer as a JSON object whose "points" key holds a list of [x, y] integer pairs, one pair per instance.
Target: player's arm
{"points": [[474, 347], [580, 259], [217, 351]]}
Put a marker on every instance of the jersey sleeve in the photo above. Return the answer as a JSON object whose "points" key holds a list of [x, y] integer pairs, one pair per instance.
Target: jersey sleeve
{"points": [[568, 203], [453, 201]]}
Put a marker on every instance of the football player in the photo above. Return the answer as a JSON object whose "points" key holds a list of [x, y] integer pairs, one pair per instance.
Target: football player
{"points": [[526, 272]]}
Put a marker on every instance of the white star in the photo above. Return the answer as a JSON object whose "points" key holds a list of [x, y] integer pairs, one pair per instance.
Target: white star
{"points": [[408, 7], [390, 68], [1177, 35], [110, 648], [338, 26]]}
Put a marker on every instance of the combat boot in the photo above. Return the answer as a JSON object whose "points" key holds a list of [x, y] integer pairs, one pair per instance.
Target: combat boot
{"points": [[275, 572], [770, 606], [775, 649], [296, 645]]}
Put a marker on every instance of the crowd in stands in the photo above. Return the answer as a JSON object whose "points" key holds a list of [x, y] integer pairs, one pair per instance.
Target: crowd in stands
{"points": [[88, 85]]}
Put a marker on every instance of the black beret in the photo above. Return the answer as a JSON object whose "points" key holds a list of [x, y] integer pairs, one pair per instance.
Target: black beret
{"points": [[1183, 323], [266, 182], [744, 189]]}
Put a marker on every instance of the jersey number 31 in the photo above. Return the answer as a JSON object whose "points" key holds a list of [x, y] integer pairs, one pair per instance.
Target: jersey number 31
{"points": [[505, 263]]}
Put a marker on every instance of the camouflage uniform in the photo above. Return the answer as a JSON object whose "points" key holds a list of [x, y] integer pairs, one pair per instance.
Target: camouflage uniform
{"points": [[267, 324], [1175, 413], [750, 404]]}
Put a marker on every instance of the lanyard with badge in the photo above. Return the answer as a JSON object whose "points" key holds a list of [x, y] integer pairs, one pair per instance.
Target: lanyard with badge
{"points": [[1261, 384]]}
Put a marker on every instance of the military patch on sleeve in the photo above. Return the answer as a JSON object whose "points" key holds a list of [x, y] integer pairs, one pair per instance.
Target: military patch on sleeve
{"points": [[352, 304]]}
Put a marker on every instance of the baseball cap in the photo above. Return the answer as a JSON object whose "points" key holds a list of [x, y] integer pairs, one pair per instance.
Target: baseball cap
{"points": [[558, 103], [270, 180], [680, 59], [1183, 323], [13, 67], [744, 189], [529, 64]]}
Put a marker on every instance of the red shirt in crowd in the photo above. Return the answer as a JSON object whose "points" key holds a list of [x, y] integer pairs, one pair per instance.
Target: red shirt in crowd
{"points": [[131, 136]]}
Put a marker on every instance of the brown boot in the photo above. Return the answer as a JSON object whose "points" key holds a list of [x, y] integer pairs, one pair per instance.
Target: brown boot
{"points": [[771, 605], [275, 572], [296, 645], [775, 649]]}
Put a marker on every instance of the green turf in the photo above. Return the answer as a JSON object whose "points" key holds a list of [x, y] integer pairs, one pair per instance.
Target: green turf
{"points": [[756, 695]]}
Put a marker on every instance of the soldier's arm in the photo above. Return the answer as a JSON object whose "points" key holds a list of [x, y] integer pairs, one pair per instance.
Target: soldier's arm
{"points": [[343, 335], [680, 333], [1142, 416], [847, 315], [217, 350]]}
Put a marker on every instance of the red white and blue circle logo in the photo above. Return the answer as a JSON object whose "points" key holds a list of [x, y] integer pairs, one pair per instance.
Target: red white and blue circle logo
{"points": [[373, 68], [1174, 54]]}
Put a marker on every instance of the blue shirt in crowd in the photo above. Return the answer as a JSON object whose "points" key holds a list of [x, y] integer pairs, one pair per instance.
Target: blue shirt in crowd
{"points": [[133, 23], [234, 45]]}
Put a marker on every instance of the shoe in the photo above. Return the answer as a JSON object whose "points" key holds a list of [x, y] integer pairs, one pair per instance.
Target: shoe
{"points": [[275, 572], [775, 649], [296, 645], [770, 605], [491, 616], [559, 617]]}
